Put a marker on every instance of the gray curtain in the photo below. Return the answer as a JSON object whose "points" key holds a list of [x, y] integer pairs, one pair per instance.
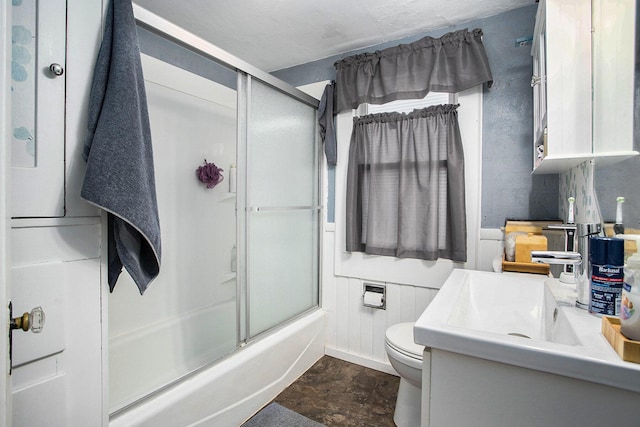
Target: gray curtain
{"points": [[326, 124], [451, 63], [405, 185]]}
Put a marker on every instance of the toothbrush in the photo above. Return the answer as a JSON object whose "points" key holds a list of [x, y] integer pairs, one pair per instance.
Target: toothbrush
{"points": [[618, 227], [570, 233], [570, 219]]}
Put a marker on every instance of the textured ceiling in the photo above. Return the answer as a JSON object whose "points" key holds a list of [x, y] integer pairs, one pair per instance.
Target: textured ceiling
{"points": [[275, 34]]}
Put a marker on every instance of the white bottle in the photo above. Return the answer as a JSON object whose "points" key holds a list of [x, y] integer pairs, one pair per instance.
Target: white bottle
{"points": [[630, 304]]}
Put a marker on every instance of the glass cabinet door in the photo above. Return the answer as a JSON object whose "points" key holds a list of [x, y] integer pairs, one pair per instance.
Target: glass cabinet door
{"points": [[38, 107]]}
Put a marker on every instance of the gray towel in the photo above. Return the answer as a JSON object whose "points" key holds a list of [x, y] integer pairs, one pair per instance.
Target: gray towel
{"points": [[120, 174], [326, 124]]}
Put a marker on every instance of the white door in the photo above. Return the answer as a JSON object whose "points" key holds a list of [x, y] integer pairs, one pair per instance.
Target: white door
{"points": [[56, 378], [5, 52]]}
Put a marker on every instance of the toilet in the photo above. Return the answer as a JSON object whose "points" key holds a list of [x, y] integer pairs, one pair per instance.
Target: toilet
{"points": [[406, 358]]}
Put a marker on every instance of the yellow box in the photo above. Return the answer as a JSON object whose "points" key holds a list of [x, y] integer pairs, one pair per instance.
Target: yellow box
{"points": [[528, 243]]}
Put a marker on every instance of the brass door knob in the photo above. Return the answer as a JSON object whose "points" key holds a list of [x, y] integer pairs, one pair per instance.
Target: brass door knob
{"points": [[33, 321]]}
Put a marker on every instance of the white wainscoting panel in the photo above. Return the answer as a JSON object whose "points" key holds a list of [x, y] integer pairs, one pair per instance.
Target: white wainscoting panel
{"points": [[490, 246], [356, 333]]}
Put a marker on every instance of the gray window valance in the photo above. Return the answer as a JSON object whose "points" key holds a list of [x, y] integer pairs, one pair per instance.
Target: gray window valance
{"points": [[452, 63]]}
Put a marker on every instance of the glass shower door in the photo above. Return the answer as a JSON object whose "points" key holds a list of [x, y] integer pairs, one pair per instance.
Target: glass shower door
{"points": [[187, 318], [283, 209]]}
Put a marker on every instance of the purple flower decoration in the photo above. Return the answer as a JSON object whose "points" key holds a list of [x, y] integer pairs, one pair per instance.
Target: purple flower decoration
{"points": [[210, 174]]}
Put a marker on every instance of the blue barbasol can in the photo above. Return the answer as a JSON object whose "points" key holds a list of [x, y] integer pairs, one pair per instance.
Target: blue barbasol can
{"points": [[606, 259]]}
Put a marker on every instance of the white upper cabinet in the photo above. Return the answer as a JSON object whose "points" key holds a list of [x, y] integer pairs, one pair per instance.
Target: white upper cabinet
{"points": [[38, 74], [613, 79], [583, 83], [561, 85], [539, 79]]}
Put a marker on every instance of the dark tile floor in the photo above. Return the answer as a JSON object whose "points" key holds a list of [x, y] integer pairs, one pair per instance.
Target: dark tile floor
{"points": [[338, 393]]}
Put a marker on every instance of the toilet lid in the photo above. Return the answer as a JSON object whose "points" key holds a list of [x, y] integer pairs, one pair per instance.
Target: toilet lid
{"points": [[400, 336]]}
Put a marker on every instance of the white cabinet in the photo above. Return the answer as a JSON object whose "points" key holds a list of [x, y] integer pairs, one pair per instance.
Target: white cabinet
{"points": [[539, 80], [48, 123], [500, 394], [583, 83], [613, 79], [562, 85], [38, 108]]}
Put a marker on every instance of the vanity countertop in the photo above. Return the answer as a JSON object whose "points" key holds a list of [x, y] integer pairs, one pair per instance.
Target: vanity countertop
{"points": [[483, 314]]}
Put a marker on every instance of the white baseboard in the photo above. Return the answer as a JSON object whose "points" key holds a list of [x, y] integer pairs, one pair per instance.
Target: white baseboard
{"points": [[360, 360]]}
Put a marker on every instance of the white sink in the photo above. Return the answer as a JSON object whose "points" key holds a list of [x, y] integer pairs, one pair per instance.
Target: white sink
{"points": [[522, 308], [514, 318]]}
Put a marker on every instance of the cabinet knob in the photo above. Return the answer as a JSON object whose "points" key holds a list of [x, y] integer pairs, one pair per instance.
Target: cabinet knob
{"points": [[56, 69]]}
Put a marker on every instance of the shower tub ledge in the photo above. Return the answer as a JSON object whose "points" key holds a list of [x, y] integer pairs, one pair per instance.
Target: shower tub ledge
{"points": [[231, 391]]}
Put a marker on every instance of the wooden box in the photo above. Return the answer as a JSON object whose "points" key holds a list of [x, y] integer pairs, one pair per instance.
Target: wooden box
{"points": [[527, 243], [525, 267], [627, 349], [531, 239]]}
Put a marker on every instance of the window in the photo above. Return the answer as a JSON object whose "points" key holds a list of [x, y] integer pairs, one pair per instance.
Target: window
{"points": [[408, 105], [405, 181]]}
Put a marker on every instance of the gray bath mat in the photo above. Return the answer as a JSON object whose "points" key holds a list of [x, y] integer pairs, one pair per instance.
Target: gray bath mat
{"points": [[274, 415]]}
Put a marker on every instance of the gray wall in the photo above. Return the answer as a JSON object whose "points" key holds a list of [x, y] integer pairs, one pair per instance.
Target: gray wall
{"points": [[508, 188]]}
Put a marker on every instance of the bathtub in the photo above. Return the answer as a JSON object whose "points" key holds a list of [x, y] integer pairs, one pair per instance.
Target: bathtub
{"points": [[232, 390]]}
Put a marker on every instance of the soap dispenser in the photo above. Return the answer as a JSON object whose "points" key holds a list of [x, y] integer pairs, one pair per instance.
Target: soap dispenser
{"points": [[630, 303]]}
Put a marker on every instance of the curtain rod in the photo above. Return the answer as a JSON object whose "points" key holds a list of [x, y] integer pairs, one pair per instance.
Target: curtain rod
{"points": [[180, 36]]}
